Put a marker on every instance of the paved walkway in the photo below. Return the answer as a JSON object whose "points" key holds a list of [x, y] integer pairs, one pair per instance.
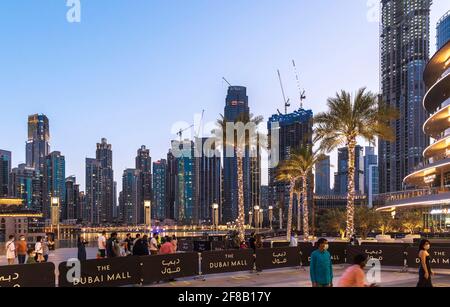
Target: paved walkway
{"points": [[290, 277]]}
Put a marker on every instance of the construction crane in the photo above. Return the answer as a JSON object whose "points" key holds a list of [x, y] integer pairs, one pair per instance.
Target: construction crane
{"points": [[300, 91], [223, 78], [286, 101], [180, 133]]}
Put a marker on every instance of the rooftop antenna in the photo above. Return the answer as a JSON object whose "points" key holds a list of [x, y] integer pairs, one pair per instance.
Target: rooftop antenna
{"points": [[300, 91], [226, 81], [286, 101]]}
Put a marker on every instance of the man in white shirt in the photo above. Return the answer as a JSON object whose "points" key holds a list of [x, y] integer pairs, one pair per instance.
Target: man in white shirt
{"points": [[11, 250], [154, 245], [294, 240], [102, 245]]}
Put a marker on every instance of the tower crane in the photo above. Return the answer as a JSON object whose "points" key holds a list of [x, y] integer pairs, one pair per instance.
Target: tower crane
{"points": [[286, 101], [302, 93]]}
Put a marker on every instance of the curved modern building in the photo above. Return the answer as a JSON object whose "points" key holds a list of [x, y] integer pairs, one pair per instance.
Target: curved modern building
{"points": [[432, 179]]}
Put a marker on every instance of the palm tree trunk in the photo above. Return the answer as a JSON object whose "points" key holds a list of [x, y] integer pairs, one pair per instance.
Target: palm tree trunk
{"points": [[291, 204], [305, 208], [351, 189], [241, 209], [299, 211]]}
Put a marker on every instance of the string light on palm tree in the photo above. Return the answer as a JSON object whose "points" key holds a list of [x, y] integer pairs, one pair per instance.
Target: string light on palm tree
{"points": [[363, 115]]}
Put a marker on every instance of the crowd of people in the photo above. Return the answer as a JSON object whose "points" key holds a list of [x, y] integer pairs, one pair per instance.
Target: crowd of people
{"points": [[25, 255], [139, 246], [321, 265]]}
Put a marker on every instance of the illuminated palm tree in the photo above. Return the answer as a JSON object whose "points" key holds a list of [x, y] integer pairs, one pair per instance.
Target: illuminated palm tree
{"points": [[241, 144], [296, 171], [348, 118]]}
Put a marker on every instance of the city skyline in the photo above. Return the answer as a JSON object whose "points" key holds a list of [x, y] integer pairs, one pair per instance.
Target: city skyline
{"points": [[75, 88]]}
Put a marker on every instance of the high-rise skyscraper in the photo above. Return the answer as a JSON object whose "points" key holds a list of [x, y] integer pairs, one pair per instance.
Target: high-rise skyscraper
{"points": [[373, 184], [26, 184], [72, 201], [405, 40], [443, 30], [208, 175], [5, 173], [55, 179], [93, 191], [294, 131], [129, 199], [172, 171], [340, 177], [159, 189], [370, 158], [236, 107], [322, 177], [144, 167], [104, 156], [185, 201], [37, 146]]}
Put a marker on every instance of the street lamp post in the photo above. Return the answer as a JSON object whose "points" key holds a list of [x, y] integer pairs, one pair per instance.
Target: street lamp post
{"points": [[256, 208], [148, 214], [281, 217], [54, 219], [215, 216], [250, 218], [270, 216]]}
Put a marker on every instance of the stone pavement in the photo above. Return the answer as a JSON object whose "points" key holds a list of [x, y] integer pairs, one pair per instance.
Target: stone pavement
{"points": [[289, 277]]}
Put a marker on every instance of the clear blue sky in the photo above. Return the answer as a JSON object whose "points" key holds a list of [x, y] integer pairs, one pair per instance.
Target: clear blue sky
{"points": [[131, 69]]}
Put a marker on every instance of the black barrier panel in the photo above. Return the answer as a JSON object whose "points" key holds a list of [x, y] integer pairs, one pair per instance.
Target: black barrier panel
{"points": [[165, 267], [112, 272], [217, 245], [227, 261], [201, 246], [273, 258], [305, 252], [280, 244], [440, 257], [387, 254], [336, 250], [185, 245], [28, 275]]}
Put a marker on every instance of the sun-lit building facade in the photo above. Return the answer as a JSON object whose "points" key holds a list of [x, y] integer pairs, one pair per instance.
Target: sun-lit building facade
{"points": [[432, 178]]}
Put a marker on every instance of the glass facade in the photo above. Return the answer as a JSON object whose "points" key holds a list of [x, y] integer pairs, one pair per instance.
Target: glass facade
{"points": [[443, 30]]}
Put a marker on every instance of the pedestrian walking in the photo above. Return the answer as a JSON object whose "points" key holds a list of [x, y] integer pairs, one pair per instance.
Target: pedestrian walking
{"points": [[321, 267], [81, 245], [45, 249], [167, 247], [138, 249], [38, 250], [31, 256], [354, 276], [175, 243], [145, 245], [10, 247], [111, 251], [294, 240], [425, 271], [21, 248], [129, 244], [154, 244], [102, 245]]}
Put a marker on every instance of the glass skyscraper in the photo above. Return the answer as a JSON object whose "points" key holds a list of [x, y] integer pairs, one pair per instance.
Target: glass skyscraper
{"points": [[443, 30], [236, 107], [5, 173], [294, 131], [104, 157], [341, 176], [144, 167], [370, 158], [404, 40], [37, 146], [159, 189], [55, 178], [322, 177]]}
